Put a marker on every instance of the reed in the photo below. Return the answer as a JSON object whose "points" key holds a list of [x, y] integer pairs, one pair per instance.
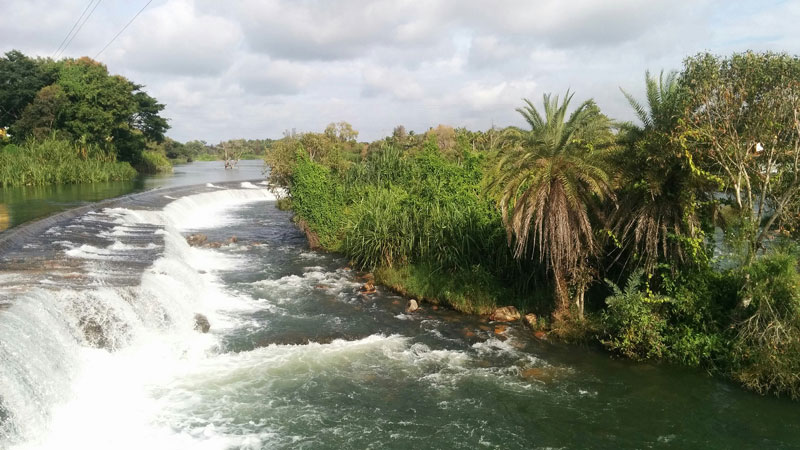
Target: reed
{"points": [[58, 161]]}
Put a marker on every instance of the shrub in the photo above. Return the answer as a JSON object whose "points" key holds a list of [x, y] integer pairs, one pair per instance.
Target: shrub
{"points": [[153, 162], [766, 345], [633, 323]]}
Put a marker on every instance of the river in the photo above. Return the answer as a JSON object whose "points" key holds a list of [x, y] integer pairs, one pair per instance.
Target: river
{"points": [[98, 349]]}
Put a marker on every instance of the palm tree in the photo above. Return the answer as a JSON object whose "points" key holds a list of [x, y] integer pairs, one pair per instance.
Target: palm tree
{"points": [[656, 214], [544, 181]]}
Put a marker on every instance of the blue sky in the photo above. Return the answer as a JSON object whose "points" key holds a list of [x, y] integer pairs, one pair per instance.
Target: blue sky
{"points": [[253, 68]]}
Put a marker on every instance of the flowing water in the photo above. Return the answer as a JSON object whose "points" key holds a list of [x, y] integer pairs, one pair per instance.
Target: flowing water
{"points": [[98, 350]]}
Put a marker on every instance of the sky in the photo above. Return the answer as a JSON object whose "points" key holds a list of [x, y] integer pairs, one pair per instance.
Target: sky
{"points": [[254, 68]]}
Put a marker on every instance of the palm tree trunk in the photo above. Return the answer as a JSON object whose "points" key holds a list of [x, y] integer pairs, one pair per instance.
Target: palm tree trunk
{"points": [[562, 292]]}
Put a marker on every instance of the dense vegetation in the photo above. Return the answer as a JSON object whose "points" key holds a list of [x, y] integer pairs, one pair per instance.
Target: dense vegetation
{"points": [[87, 118], [671, 240]]}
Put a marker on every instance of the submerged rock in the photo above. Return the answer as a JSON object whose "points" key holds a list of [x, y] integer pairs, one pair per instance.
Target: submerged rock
{"points": [[201, 323], [233, 240], [196, 240], [368, 288], [412, 306], [505, 314]]}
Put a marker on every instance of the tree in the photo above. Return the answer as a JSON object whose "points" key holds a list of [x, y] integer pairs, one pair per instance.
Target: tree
{"points": [[86, 103], [659, 192], [744, 126], [21, 78], [545, 180]]}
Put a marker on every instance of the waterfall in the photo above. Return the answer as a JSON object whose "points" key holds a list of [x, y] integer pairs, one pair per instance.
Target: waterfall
{"points": [[109, 293]]}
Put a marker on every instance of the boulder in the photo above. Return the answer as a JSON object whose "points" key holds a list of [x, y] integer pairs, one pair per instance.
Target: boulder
{"points": [[505, 314], [214, 245], [233, 240], [412, 306], [201, 323], [540, 335], [196, 240], [530, 320], [367, 288]]}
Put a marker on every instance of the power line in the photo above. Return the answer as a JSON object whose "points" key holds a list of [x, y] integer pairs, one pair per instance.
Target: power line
{"points": [[73, 27], [123, 29], [80, 26]]}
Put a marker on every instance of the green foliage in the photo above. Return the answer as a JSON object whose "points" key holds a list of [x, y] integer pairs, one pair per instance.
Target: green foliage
{"points": [[21, 78], [766, 344], [317, 199], [77, 99], [634, 324], [54, 161], [153, 162]]}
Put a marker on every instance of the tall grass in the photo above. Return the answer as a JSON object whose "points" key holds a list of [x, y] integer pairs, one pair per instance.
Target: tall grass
{"points": [[58, 161], [153, 162]]}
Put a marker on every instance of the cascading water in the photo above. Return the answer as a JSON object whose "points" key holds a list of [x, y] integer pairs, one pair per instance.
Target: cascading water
{"points": [[98, 350]]}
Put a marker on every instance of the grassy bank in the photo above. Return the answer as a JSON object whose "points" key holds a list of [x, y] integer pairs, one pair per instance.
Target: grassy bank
{"points": [[56, 161]]}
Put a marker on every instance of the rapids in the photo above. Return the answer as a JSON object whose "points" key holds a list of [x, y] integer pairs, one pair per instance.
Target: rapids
{"points": [[98, 350]]}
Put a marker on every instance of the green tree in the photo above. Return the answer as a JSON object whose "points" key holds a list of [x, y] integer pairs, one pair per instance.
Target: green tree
{"points": [[21, 78], [659, 192], [545, 180], [744, 125]]}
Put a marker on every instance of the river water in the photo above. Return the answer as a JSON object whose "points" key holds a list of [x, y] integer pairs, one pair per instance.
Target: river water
{"points": [[98, 350]]}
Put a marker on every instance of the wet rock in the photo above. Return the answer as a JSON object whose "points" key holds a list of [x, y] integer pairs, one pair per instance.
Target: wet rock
{"points": [[412, 306], [201, 323], [505, 314], [196, 240], [233, 240], [214, 245], [367, 288], [500, 329], [94, 332], [540, 335], [530, 320], [324, 287]]}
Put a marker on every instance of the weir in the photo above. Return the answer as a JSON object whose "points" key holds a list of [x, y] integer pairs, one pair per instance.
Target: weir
{"points": [[98, 349], [99, 279]]}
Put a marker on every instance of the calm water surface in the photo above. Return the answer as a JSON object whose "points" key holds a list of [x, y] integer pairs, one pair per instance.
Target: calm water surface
{"points": [[23, 204]]}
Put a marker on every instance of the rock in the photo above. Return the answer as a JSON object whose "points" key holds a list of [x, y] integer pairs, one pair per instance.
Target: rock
{"points": [[540, 335], [505, 314], [412, 306], [367, 288], [322, 286], [233, 240], [201, 323], [500, 329], [530, 320], [214, 245], [196, 240]]}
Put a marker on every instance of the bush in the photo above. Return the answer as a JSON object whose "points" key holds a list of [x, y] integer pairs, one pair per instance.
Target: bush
{"points": [[317, 198], [766, 345], [633, 323], [153, 162]]}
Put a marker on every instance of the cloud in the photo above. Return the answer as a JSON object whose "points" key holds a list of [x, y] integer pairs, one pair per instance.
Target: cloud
{"points": [[253, 68], [175, 38]]}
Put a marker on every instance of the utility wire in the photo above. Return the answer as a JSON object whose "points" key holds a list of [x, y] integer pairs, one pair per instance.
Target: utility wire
{"points": [[80, 26], [123, 29], [73, 27]]}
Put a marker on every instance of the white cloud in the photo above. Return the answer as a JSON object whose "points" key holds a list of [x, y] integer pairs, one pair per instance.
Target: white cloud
{"points": [[253, 68]]}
